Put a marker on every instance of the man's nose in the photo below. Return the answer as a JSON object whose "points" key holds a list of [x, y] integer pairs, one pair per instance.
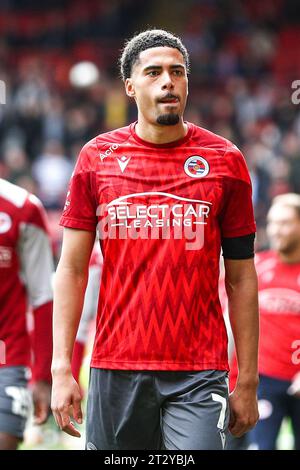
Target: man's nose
{"points": [[167, 82]]}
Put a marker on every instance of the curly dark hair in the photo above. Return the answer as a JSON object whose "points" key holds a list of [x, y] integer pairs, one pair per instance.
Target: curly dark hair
{"points": [[146, 40]]}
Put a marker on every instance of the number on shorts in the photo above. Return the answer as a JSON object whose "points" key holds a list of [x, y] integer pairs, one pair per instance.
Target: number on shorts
{"points": [[21, 401], [223, 402]]}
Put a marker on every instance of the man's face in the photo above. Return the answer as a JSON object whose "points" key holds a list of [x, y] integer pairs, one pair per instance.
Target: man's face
{"points": [[283, 228], [159, 85]]}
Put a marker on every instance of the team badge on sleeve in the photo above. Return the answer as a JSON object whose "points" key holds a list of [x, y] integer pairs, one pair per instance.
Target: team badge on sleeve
{"points": [[196, 166], [5, 222]]}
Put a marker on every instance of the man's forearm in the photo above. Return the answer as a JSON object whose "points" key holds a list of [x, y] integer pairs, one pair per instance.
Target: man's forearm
{"points": [[243, 314], [69, 289], [42, 342]]}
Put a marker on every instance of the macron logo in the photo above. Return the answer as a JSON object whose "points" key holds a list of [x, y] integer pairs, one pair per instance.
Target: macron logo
{"points": [[123, 162]]}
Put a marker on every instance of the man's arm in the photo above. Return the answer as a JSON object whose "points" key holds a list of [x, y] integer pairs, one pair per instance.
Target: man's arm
{"points": [[241, 288], [69, 288], [37, 268]]}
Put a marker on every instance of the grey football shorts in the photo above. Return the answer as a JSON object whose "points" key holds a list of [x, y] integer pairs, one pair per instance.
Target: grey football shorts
{"points": [[15, 400], [182, 410]]}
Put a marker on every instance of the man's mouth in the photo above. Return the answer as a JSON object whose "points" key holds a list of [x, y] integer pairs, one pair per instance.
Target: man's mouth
{"points": [[169, 99]]}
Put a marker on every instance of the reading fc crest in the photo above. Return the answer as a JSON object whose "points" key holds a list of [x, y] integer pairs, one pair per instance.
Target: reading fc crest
{"points": [[196, 166]]}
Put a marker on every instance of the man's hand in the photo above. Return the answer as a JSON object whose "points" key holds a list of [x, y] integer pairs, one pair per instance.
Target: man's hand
{"points": [[243, 409], [66, 402], [41, 394]]}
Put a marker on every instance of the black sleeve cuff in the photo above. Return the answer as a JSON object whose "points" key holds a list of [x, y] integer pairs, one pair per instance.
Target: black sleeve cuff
{"points": [[238, 247]]}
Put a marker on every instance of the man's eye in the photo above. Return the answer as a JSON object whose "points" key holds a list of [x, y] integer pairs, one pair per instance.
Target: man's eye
{"points": [[153, 73], [178, 73]]}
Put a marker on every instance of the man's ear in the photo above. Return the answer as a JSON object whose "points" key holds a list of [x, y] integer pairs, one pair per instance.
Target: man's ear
{"points": [[129, 88]]}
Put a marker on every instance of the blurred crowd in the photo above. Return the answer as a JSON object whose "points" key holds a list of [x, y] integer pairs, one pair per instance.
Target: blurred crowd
{"points": [[244, 59]]}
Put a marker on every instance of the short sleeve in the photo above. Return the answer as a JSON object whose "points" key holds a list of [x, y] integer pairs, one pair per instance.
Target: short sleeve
{"points": [[237, 214], [80, 207]]}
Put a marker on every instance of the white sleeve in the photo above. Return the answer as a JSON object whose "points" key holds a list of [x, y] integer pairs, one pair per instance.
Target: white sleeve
{"points": [[36, 262]]}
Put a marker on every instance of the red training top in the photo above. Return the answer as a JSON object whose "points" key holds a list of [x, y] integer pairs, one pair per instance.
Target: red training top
{"points": [[161, 211]]}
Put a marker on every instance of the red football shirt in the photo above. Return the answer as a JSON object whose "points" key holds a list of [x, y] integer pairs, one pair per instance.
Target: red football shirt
{"points": [[26, 268], [279, 305], [161, 211]]}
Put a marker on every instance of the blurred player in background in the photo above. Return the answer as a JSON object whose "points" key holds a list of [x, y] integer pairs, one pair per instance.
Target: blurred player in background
{"points": [[279, 298], [279, 346], [26, 268], [159, 364], [89, 310]]}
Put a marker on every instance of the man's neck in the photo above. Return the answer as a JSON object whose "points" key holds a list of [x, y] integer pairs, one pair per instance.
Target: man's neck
{"points": [[158, 134]]}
